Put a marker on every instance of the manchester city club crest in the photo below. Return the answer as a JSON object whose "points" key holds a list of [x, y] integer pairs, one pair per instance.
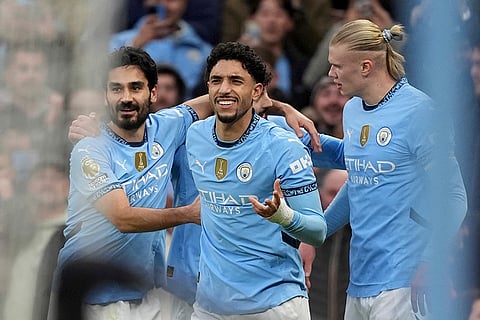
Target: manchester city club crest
{"points": [[244, 172], [157, 150], [221, 166], [384, 135]]}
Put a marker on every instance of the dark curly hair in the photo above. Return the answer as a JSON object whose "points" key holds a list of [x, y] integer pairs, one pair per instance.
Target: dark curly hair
{"points": [[249, 59], [131, 56]]}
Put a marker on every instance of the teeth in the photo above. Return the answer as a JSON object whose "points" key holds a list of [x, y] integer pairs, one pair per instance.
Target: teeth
{"points": [[225, 102]]}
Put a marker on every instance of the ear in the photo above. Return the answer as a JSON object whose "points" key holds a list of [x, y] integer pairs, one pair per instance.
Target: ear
{"points": [[257, 91], [366, 67], [153, 94]]}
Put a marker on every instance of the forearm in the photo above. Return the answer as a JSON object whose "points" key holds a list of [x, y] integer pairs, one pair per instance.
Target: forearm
{"points": [[147, 219], [337, 214], [116, 208], [331, 155], [308, 223], [201, 105]]}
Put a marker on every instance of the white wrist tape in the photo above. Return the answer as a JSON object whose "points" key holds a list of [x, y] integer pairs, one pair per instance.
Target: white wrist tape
{"points": [[283, 216]]}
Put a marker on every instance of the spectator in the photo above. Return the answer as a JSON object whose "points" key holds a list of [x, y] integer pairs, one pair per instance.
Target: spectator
{"points": [[8, 202], [168, 39], [203, 15], [311, 17], [270, 59], [84, 101], [378, 11], [275, 20], [326, 107], [32, 112], [27, 21], [170, 88], [36, 242]]}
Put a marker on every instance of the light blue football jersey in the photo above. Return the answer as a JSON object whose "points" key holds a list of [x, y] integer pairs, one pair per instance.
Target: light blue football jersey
{"points": [[107, 162], [388, 150], [248, 264], [184, 253]]}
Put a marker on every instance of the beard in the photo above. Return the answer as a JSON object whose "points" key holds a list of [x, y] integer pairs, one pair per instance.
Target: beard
{"points": [[230, 119], [130, 122]]}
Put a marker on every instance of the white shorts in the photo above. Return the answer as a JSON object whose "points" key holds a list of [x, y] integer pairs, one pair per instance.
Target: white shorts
{"points": [[388, 305], [179, 309], [294, 309], [148, 309]]}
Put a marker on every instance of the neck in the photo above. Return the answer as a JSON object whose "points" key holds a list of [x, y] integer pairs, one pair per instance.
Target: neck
{"points": [[233, 131], [378, 90], [133, 135]]}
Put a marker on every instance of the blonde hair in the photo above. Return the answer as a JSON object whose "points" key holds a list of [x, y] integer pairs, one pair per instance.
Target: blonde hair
{"points": [[364, 35]]}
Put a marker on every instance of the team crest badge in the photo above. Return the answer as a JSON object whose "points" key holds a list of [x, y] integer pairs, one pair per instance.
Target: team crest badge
{"points": [[90, 168], [221, 166], [157, 150], [364, 135], [140, 160], [384, 135], [244, 172]]}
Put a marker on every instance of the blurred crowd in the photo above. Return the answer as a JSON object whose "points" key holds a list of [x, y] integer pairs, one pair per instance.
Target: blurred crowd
{"points": [[51, 57]]}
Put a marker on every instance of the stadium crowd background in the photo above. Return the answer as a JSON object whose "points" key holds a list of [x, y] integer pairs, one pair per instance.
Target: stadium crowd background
{"points": [[51, 66]]}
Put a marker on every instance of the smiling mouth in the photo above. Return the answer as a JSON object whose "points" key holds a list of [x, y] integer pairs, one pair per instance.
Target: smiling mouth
{"points": [[225, 103]]}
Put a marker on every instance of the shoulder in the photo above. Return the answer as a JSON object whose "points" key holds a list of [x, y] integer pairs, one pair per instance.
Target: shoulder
{"points": [[180, 112], [201, 125], [278, 137]]}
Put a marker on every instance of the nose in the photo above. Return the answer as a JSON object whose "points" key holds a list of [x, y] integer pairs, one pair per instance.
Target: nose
{"points": [[330, 72], [225, 87], [126, 96]]}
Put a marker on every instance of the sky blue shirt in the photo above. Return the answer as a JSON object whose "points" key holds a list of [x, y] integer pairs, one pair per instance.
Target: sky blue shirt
{"points": [[389, 152], [247, 264], [107, 162], [184, 253]]}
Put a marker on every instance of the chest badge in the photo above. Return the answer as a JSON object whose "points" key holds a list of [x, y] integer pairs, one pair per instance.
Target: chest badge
{"points": [[384, 135], [364, 135], [244, 172], [221, 166], [140, 160]]}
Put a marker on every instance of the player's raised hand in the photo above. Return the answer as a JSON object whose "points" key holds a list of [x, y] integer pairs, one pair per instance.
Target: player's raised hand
{"points": [[271, 205]]}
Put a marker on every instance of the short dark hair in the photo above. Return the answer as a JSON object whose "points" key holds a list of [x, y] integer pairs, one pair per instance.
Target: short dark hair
{"points": [[249, 59], [163, 68], [286, 5], [131, 56]]}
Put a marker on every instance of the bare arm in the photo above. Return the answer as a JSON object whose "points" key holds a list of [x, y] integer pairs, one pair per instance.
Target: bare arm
{"points": [[116, 207], [201, 105]]}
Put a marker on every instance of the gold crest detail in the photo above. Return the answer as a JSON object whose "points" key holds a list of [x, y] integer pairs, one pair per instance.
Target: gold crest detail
{"points": [[140, 160], [221, 166], [90, 168], [364, 135]]}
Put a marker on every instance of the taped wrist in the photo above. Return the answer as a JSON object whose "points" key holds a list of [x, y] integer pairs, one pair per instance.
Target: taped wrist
{"points": [[283, 216]]}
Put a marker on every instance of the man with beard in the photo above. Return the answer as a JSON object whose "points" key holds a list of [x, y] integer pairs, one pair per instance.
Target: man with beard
{"points": [[258, 196], [118, 178]]}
